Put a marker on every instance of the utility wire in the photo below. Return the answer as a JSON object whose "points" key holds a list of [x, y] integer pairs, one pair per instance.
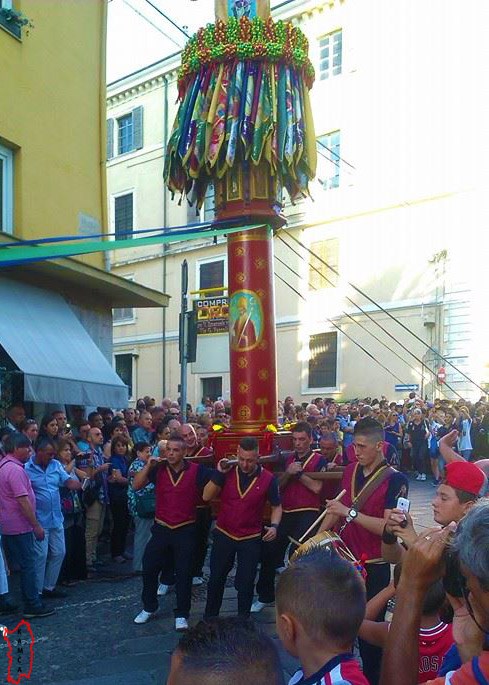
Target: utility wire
{"points": [[391, 316], [349, 316], [151, 23], [168, 19], [342, 331], [333, 161], [338, 157], [365, 313]]}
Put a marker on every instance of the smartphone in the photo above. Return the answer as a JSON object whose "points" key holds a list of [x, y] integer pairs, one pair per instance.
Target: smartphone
{"points": [[403, 505]]}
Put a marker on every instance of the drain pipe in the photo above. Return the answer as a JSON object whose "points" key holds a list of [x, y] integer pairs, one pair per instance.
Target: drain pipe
{"points": [[165, 223]]}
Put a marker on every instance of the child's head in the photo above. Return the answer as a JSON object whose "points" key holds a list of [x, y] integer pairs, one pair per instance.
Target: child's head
{"points": [[435, 595], [320, 600], [225, 650]]}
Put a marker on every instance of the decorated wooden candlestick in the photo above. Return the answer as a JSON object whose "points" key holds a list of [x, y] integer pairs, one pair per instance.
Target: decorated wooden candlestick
{"points": [[245, 125]]}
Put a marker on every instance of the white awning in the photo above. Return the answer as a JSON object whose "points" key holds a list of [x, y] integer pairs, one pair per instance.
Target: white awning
{"points": [[60, 361]]}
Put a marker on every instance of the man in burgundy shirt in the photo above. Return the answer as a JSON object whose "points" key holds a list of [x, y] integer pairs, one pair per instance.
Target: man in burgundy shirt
{"points": [[245, 490], [18, 523], [178, 487], [301, 501], [204, 514]]}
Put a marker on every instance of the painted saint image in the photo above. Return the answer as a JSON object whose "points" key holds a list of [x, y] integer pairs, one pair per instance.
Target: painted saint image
{"points": [[241, 8], [246, 320], [224, 9]]}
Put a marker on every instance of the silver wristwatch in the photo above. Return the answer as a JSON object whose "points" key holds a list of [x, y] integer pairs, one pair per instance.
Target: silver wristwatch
{"points": [[352, 514]]}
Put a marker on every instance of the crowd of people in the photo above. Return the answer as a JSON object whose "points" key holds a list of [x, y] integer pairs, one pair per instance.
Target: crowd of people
{"points": [[343, 486]]}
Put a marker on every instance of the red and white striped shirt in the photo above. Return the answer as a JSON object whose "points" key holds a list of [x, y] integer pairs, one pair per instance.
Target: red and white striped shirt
{"points": [[434, 643], [344, 669]]}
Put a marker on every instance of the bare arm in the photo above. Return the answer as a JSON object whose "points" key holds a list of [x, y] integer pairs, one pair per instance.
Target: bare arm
{"points": [[283, 480], [446, 447], [393, 554], [312, 485], [374, 633], [329, 522], [210, 492], [371, 523], [141, 478], [422, 566], [276, 514], [72, 484], [378, 602], [275, 518]]}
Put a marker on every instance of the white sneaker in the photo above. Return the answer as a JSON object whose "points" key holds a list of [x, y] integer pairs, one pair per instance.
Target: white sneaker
{"points": [[144, 616], [423, 476], [257, 606], [163, 589], [181, 624], [197, 580], [419, 476]]}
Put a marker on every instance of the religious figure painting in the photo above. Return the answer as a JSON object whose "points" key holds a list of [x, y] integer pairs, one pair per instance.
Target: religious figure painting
{"points": [[225, 9], [246, 320], [242, 8]]}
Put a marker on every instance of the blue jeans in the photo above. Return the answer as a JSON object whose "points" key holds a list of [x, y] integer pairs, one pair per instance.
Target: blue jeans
{"points": [[20, 549]]}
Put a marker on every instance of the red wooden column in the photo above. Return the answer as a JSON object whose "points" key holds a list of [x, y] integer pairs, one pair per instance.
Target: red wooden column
{"points": [[252, 347]]}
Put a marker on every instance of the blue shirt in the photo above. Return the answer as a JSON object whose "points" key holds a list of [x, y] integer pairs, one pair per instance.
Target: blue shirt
{"points": [[347, 437], [46, 484], [94, 459], [142, 435]]}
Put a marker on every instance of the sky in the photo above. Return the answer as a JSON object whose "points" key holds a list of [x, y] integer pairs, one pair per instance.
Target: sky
{"points": [[138, 35]]}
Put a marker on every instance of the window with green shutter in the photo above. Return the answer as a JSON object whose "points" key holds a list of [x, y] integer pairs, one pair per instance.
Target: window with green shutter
{"points": [[124, 369]]}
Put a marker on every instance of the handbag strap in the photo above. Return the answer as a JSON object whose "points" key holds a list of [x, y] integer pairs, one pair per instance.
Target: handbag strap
{"points": [[376, 480], [8, 461]]}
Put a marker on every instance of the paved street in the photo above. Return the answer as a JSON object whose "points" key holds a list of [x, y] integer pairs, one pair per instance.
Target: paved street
{"points": [[92, 639]]}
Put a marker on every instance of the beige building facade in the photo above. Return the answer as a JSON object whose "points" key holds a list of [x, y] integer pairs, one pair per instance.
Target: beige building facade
{"points": [[383, 263]]}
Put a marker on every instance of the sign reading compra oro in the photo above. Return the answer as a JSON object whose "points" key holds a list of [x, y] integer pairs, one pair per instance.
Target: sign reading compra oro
{"points": [[212, 315]]}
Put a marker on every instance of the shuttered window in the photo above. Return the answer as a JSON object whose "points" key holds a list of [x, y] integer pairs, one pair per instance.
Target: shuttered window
{"points": [[125, 137], [125, 133], [211, 275], [124, 369], [323, 349], [123, 216]]}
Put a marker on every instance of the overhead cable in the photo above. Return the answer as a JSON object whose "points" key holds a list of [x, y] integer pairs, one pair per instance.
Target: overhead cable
{"points": [[387, 313], [365, 313]]}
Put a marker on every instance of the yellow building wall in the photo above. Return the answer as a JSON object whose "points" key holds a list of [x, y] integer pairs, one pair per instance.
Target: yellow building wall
{"points": [[52, 115]]}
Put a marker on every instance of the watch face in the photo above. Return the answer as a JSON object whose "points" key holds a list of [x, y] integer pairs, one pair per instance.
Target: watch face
{"points": [[352, 513]]}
